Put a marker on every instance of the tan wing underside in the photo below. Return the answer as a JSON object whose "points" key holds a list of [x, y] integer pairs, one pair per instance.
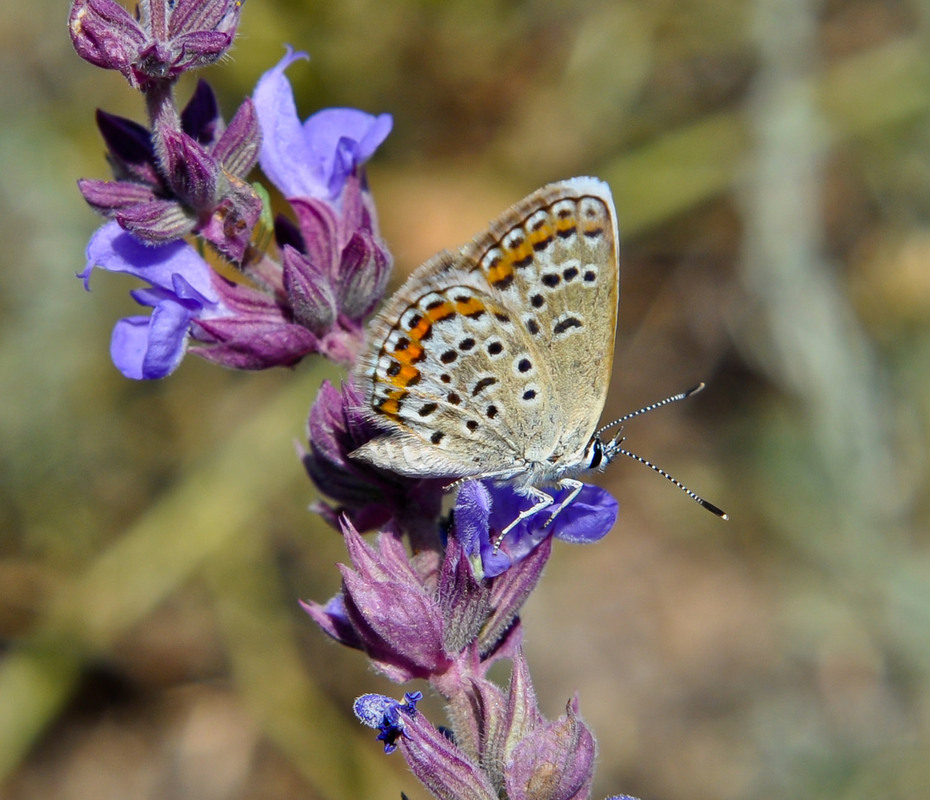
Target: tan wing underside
{"points": [[500, 355]]}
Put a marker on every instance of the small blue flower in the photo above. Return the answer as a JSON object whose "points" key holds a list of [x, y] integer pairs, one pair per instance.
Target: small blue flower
{"points": [[484, 509], [385, 714], [316, 157], [180, 291]]}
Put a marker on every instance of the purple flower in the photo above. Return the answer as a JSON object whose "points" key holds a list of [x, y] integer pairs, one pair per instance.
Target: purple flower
{"points": [[335, 269], [257, 333], [483, 510], [387, 715], [541, 758], [333, 273], [338, 250], [187, 176], [482, 613], [419, 619], [316, 157], [443, 767], [502, 745], [180, 292], [370, 497], [165, 39], [390, 608], [182, 181]]}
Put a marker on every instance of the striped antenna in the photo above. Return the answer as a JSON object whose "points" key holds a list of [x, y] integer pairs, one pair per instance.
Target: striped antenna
{"points": [[612, 450], [675, 398]]}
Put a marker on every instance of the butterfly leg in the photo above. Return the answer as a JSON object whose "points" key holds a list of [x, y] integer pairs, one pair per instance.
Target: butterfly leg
{"points": [[566, 483], [542, 500]]}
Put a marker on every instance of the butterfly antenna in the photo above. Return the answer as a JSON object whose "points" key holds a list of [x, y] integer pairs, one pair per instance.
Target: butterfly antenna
{"points": [[617, 450], [675, 398]]}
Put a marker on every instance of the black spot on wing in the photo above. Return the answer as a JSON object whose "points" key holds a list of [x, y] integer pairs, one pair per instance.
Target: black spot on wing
{"points": [[566, 324]]}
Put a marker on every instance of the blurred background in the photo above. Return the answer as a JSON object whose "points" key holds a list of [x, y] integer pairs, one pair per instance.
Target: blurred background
{"points": [[770, 161]]}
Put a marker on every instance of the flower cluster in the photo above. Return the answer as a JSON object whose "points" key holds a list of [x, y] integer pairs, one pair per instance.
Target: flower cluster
{"points": [[517, 753], [180, 189], [431, 598], [448, 613]]}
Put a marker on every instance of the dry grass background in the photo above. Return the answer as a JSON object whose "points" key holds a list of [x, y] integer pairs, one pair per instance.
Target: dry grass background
{"points": [[770, 162]]}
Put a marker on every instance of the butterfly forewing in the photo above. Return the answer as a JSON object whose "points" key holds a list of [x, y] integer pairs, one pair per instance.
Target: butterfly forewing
{"points": [[554, 260]]}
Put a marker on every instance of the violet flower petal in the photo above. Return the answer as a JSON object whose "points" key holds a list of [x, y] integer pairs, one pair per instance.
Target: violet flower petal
{"points": [[147, 348], [287, 233], [587, 518], [315, 158], [283, 155], [167, 340], [340, 139], [472, 514], [132, 153], [128, 345], [180, 289], [114, 250], [387, 715], [200, 118]]}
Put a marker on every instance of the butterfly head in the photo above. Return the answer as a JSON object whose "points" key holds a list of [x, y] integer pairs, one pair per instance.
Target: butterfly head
{"points": [[597, 454]]}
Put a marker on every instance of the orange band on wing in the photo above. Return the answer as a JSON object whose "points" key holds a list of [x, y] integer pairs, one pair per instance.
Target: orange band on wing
{"points": [[541, 236], [500, 272], [440, 311], [472, 306], [566, 226], [421, 329], [391, 405], [407, 376], [410, 353]]}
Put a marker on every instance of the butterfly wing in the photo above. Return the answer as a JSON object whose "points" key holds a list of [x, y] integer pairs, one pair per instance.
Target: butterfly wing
{"points": [[555, 260], [498, 357]]}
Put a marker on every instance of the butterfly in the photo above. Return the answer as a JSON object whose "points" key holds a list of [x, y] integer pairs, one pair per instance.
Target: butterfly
{"points": [[493, 362]]}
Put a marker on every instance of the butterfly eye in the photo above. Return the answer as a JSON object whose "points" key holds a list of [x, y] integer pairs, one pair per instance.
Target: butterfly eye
{"points": [[596, 449]]}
